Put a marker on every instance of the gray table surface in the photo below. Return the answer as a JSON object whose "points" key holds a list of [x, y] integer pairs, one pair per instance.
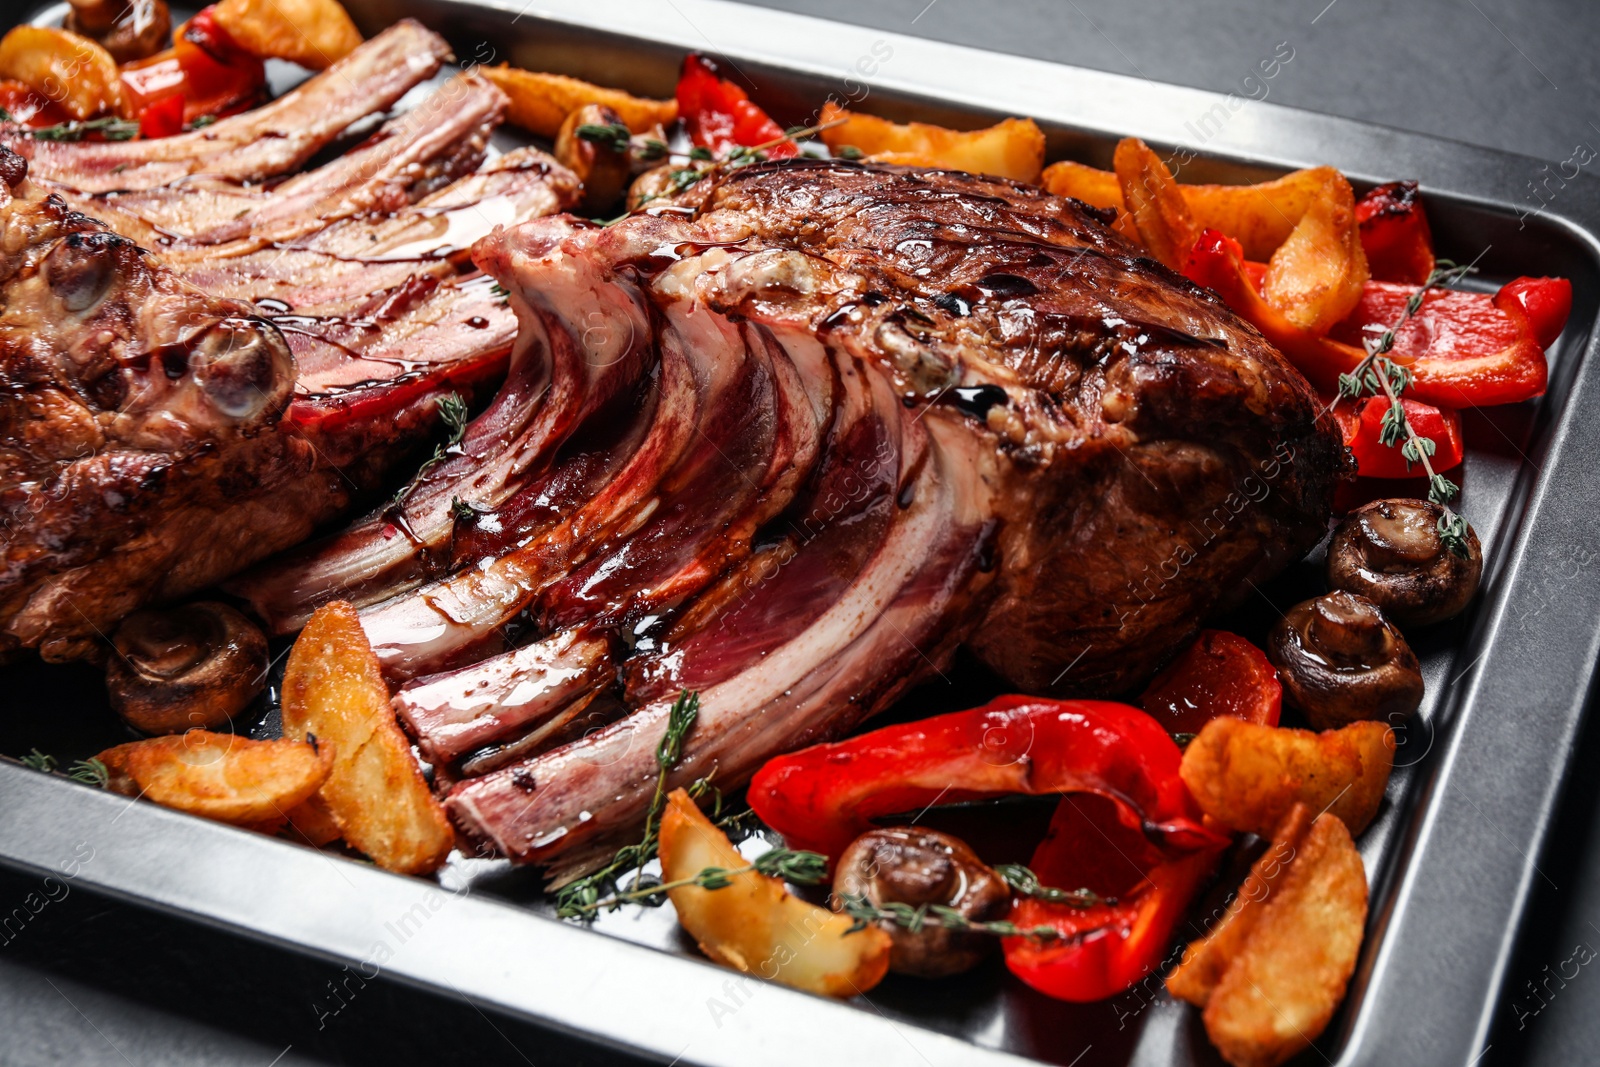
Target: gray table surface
{"points": [[95, 982]]}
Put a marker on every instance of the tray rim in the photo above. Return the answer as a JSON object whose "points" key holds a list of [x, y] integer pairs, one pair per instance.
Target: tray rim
{"points": [[1125, 105]]}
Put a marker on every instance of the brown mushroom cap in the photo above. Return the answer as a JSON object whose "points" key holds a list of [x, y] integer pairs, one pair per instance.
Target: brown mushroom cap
{"points": [[1341, 661], [604, 171], [128, 29], [1389, 552], [178, 668], [925, 867]]}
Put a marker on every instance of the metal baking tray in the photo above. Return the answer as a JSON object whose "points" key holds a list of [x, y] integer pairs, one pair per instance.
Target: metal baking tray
{"points": [[1452, 857]]}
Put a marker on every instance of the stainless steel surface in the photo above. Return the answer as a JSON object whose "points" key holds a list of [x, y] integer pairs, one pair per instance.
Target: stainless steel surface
{"points": [[1453, 856]]}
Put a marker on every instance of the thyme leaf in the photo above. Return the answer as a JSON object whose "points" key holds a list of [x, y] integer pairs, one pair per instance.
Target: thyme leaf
{"points": [[584, 897], [613, 135], [865, 914], [453, 414], [39, 761], [1025, 883], [111, 128], [89, 772]]}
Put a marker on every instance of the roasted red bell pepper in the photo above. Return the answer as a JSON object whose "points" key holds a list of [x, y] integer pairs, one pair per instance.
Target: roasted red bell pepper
{"points": [[720, 117], [162, 118], [30, 108], [822, 798], [1545, 302], [1106, 948], [1463, 349], [1145, 842], [1394, 234], [205, 68], [1468, 349], [1219, 674], [1361, 423]]}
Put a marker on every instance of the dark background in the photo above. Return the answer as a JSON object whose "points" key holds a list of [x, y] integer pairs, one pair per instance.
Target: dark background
{"points": [[98, 982]]}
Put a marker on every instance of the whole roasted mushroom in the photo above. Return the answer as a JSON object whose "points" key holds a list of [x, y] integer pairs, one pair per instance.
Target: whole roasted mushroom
{"points": [[594, 144], [128, 29], [178, 668], [1341, 661], [918, 867], [1390, 552]]}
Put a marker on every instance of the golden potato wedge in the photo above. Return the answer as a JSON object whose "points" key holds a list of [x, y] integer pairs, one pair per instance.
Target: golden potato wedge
{"points": [[1013, 148], [75, 72], [332, 689], [754, 925], [1155, 202], [1247, 776], [1317, 275], [1095, 187], [540, 103], [312, 822], [1206, 960], [313, 33], [219, 776], [1287, 981]]}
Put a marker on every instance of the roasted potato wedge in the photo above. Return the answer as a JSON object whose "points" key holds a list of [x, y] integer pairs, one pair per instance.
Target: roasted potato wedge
{"points": [[1095, 187], [313, 33], [220, 776], [312, 822], [332, 689], [754, 925], [540, 103], [1013, 148], [1206, 960], [1286, 982], [1248, 776], [1155, 202], [1316, 276], [73, 71]]}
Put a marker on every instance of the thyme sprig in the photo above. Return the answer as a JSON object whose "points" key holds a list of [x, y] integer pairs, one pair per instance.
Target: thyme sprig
{"points": [[111, 128], [619, 139], [582, 898], [739, 156], [801, 868], [453, 413], [1025, 883], [1378, 375], [915, 919], [89, 771]]}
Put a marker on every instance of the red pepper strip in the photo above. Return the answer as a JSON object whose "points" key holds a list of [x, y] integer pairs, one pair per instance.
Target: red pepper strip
{"points": [[1361, 423], [162, 118], [719, 116], [29, 108], [1395, 234], [1219, 674], [822, 798], [1106, 948]]}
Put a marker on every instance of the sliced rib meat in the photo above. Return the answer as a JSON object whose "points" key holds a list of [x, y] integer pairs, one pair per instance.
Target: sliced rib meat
{"points": [[274, 139], [358, 270]]}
